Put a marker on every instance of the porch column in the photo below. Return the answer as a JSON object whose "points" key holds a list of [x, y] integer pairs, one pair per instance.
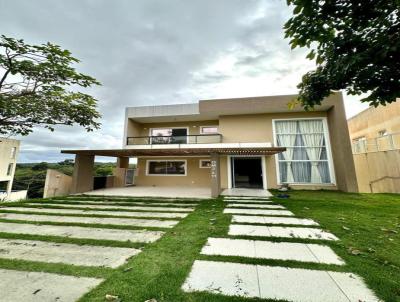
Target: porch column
{"points": [[123, 162], [215, 175], [82, 178], [120, 171]]}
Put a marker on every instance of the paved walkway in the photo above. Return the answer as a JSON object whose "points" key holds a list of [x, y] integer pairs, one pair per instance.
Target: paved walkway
{"points": [[274, 282], [21, 221]]}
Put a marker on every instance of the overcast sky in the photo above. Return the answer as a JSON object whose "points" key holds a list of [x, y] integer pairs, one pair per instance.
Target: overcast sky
{"points": [[153, 52]]}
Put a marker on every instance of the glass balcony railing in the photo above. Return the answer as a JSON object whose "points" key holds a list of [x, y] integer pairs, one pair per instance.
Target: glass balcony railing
{"points": [[165, 140], [382, 143]]}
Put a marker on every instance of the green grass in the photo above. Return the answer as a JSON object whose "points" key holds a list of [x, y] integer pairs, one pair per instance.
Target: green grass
{"points": [[368, 224]]}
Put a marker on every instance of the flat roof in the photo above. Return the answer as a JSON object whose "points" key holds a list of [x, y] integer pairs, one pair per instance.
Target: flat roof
{"points": [[213, 108]]}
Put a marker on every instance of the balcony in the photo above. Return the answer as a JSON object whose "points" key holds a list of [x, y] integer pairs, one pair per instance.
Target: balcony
{"points": [[167, 140]]}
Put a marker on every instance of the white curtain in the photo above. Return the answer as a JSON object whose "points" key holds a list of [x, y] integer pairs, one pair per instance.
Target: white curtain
{"points": [[312, 134], [286, 138]]}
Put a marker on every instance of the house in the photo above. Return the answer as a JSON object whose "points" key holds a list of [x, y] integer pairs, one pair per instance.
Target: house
{"points": [[9, 149], [376, 128], [255, 143], [375, 136]]}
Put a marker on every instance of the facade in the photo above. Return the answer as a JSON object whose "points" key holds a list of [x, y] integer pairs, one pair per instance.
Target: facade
{"points": [[376, 129], [375, 136], [9, 149], [255, 143]]}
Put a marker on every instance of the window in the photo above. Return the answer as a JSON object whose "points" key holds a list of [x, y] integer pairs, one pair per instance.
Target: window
{"points": [[205, 163], [13, 152], [166, 167], [169, 136], [306, 157], [10, 169], [209, 130]]}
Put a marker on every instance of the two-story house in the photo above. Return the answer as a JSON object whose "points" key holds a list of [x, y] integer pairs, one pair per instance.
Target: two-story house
{"points": [[225, 144]]}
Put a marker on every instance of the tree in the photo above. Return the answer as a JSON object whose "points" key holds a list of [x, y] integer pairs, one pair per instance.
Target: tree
{"points": [[355, 44], [40, 166], [33, 89]]}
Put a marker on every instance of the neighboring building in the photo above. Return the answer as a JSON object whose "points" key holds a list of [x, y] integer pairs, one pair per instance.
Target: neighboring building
{"points": [[375, 136], [9, 149], [254, 142], [376, 129]]}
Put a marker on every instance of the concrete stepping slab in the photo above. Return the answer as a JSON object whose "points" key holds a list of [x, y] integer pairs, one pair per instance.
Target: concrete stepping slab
{"points": [[114, 207], [21, 286], [246, 197], [273, 220], [303, 252], [86, 255], [81, 232], [92, 220], [254, 206], [116, 203], [259, 212], [249, 201], [274, 282], [276, 231], [94, 212]]}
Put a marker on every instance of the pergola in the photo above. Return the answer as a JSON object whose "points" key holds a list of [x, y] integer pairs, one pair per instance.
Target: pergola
{"points": [[84, 161]]}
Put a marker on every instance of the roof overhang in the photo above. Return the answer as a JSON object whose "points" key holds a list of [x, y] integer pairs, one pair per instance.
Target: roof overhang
{"points": [[178, 152]]}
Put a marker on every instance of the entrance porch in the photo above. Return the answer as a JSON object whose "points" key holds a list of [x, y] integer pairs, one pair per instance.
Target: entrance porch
{"points": [[249, 172]]}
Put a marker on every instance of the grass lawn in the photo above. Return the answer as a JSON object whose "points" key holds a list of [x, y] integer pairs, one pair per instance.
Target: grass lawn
{"points": [[367, 225]]}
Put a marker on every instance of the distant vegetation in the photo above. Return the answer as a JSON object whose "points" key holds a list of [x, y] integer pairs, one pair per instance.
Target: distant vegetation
{"points": [[31, 176]]}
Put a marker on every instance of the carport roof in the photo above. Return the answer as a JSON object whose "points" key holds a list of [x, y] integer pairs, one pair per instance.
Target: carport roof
{"points": [[178, 151]]}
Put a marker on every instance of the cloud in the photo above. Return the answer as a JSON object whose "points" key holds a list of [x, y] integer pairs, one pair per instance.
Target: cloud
{"points": [[157, 52]]}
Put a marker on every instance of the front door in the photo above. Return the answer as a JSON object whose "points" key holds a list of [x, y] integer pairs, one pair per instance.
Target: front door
{"points": [[247, 172]]}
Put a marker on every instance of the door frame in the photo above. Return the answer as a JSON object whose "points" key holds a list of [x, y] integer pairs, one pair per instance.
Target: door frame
{"points": [[230, 169]]}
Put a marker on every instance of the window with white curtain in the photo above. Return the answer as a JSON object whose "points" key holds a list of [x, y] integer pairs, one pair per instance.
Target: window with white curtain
{"points": [[306, 158]]}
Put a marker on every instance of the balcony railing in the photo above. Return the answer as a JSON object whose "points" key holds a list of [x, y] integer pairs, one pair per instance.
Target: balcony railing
{"points": [[166, 140], [382, 143]]}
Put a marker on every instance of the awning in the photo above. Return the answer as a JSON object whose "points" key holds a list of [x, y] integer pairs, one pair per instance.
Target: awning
{"points": [[179, 152]]}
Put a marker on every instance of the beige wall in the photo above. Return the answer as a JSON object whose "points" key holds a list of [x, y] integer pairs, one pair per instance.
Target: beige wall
{"points": [[369, 122], [378, 172], [196, 176], [6, 146], [57, 184], [254, 128], [241, 128]]}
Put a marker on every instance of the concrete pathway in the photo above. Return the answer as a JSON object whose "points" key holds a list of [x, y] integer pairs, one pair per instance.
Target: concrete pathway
{"points": [[274, 282], [92, 220], [258, 212], [20, 286], [303, 252], [248, 201], [276, 231], [114, 203], [114, 207], [254, 206], [86, 255], [81, 232], [273, 220], [94, 212]]}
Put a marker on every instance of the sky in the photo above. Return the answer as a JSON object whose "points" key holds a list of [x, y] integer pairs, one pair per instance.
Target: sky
{"points": [[155, 52]]}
